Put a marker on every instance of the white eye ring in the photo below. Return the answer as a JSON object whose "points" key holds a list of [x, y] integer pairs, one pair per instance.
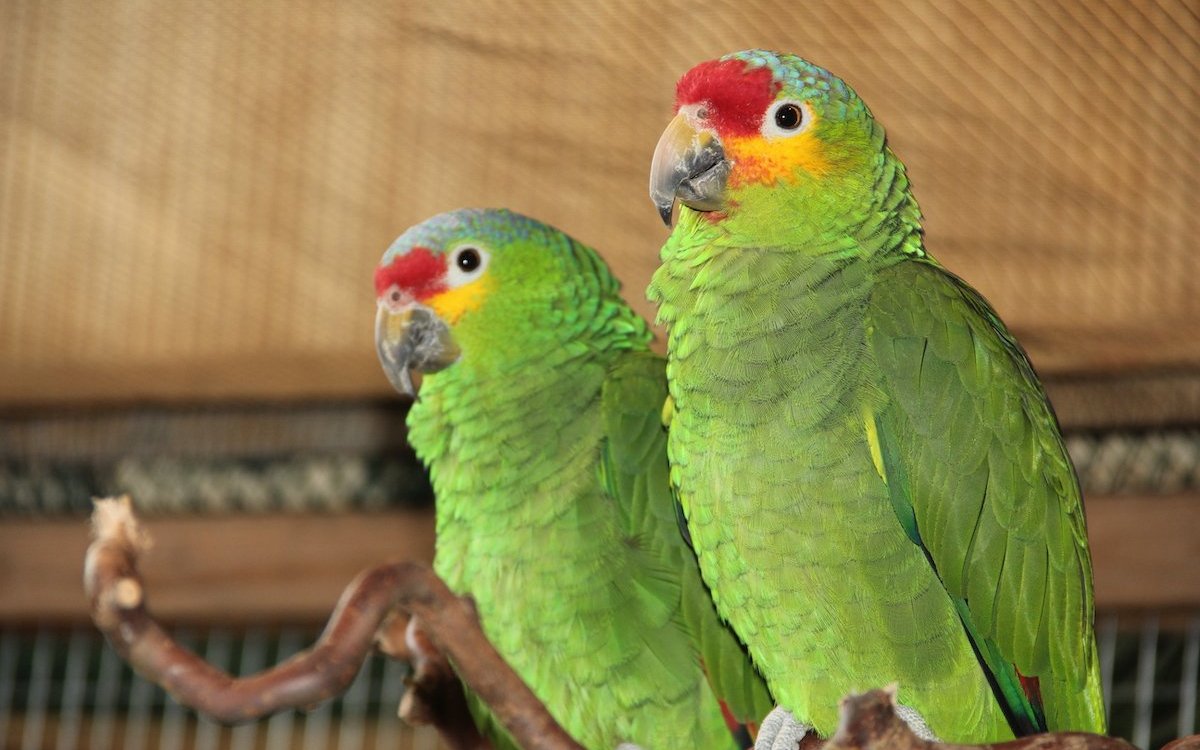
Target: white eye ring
{"points": [[785, 119], [467, 263]]}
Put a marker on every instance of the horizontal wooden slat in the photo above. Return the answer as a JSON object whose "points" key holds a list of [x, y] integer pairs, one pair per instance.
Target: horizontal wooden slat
{"points": [[206, 431], [269, 568], [1129, 400], [226, 377], [1146, 552], [376, 426]]}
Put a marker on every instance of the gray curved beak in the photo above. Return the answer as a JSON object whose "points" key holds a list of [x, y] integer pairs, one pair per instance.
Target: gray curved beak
{"points": [[689, 166], [412, 338]]}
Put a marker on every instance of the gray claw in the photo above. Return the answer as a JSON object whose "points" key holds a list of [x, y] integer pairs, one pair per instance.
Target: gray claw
{"points": [[780, 731], [915, 722]]}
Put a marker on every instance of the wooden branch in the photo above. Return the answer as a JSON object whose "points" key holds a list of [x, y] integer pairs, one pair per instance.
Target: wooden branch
{"points": [[452, 627], [119, 609], [869, 722], [434, 696], [1184, 743]]}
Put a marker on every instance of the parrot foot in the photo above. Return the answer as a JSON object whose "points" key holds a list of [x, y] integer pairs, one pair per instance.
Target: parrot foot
{"points": [[915, 722], [780, 731], [628, 746]]}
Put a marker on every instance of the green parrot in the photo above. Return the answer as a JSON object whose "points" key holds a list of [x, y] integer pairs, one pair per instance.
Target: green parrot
{"points": [[874, 482], [540, 421]]}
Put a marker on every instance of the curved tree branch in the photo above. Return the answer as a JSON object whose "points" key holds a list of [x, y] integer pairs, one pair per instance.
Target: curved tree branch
{"points": [[434, 695], [1191, 742], [119, 609]]}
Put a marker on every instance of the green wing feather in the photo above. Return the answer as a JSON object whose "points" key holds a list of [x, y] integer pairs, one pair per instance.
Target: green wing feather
{"points": [[635, 473], [980, 477]]}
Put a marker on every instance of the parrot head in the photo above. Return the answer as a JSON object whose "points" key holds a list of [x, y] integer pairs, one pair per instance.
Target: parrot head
{"points": [[491, 286], [752, 122]]}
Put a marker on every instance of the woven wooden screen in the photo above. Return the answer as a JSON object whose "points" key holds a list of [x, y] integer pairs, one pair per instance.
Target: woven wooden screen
{"points": [[193, 195]]}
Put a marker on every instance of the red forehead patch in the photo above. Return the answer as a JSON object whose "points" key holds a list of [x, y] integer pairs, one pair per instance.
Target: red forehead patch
{"points": [[736, 97], [418, 272]]}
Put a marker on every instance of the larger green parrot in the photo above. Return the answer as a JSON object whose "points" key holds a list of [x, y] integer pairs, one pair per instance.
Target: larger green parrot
{"points": [[873, 479], [540, 420]]}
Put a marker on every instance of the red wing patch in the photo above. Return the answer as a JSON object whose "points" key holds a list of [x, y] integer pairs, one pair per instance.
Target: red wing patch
{"points": [[1032, 688]]}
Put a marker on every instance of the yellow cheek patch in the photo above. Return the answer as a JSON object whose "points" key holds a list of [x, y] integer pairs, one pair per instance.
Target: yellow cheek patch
{"points": [[769, 160], [450, 305]]}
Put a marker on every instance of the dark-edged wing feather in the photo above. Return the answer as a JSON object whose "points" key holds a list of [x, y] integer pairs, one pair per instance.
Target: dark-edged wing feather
{"points": [[972, 447]]}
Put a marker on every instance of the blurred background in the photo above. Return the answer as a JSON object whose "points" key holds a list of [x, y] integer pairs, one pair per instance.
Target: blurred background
{"points": [[193, 197]]}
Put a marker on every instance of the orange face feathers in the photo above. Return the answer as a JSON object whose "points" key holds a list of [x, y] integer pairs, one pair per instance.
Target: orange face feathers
{"points": [[763, 161], [741, 104]]}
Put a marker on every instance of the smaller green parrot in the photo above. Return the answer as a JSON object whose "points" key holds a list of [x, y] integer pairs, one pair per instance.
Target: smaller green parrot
{"points": [[539, 419]]}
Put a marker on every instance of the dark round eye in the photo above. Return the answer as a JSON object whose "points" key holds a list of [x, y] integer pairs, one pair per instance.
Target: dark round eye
{"points": [[468, 259], [788, 117]]}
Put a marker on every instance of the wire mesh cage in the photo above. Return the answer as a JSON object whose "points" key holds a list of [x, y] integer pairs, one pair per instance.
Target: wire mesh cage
{"points": [[67, 689]]}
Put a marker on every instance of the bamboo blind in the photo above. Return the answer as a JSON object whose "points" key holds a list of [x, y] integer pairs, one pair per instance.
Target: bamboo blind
{"points": [[193, 195]]}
